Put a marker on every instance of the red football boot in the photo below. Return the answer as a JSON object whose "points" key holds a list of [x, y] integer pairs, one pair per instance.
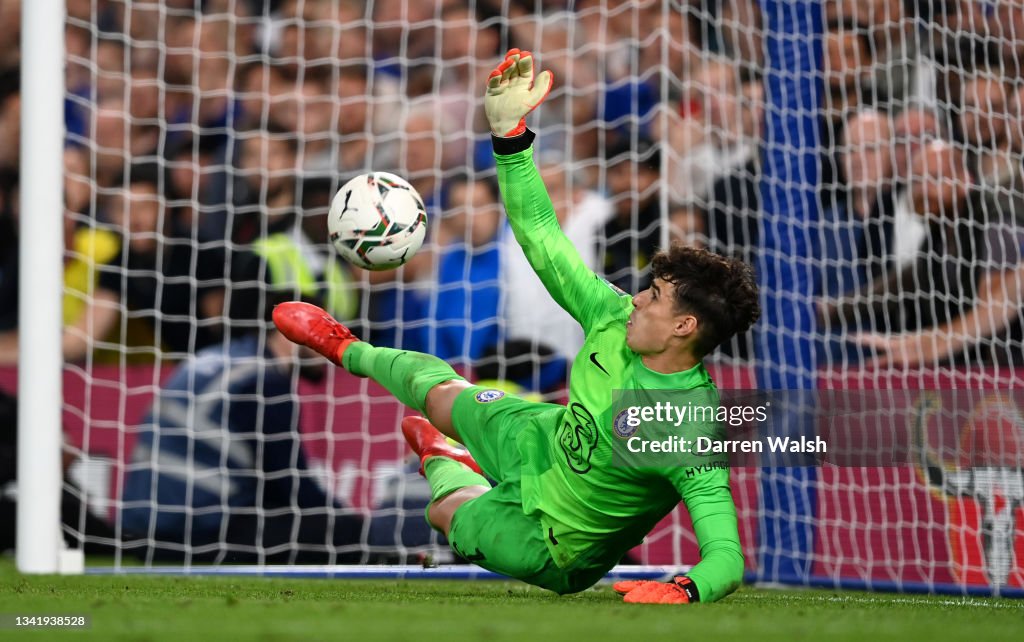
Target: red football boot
{"points": [[308, 325], [427, 441]]}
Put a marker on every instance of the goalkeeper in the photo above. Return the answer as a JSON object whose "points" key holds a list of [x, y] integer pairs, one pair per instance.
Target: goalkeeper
{"points": [[561, 515]]}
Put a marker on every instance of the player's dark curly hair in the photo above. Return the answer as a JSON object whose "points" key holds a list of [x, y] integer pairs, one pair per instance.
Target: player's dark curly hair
{"points": [[721, 292]]}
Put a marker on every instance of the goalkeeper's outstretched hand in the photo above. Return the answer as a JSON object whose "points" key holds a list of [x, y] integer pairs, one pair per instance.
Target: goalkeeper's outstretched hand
{"points": [[681, 590], [513, 92]]}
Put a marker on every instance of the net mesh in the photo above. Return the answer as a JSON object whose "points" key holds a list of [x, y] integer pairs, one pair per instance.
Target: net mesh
{"points": [[206, 139]]}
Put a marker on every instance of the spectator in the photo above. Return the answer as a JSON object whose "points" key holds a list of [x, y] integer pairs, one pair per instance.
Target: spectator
{"points": [[86, 249], [195, 187], [463, 316], [423, 155], [904, 71], [741, 33], [330, 117], [306, 109], [959, 46], [857, 231], [1006, 24], [724, 216], [867, 161], [119, 141], [265, 90], [847, 65], [676, 47], [400, 32], [10, 113], [470, 37], [628, 95], [312, 36], [10, 127], [717, 134], [988, 123], [912, 128], [164, 284], [633, 234], [144, 95], [567, 55], [198, 76], [397, 297], [694, 139], [961, 299], [108, 79], [218, 473], [353, 117], [10, 33], [275, 252], [401, 28]]}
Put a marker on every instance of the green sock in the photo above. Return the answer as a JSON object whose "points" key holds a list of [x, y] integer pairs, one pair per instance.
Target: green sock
{"points": [[446, 476], [407, 375]]}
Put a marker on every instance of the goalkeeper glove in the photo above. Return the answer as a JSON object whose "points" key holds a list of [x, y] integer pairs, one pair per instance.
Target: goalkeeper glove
{"points": [[513, 92], [681, 590]]}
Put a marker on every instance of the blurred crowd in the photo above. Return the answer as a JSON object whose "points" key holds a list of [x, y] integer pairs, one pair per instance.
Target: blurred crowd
{"points": [[205, 139]]}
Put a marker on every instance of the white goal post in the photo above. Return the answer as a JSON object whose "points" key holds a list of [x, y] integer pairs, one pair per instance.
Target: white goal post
{"points": [[39, 543]]}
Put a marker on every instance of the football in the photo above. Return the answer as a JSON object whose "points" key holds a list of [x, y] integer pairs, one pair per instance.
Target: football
{"points": [[377, 221]]}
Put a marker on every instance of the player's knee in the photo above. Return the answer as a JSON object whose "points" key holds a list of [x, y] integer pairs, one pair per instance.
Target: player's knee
{"points": [[439, 403], [439, 518], [441, 512]]}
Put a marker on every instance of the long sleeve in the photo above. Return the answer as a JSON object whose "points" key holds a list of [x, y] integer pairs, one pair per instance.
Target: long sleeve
{"points": [[578, 290], [709, 502]]}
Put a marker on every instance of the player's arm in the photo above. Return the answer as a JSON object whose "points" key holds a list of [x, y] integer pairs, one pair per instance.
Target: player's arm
{"points": [[512, 92], [720, 570]]}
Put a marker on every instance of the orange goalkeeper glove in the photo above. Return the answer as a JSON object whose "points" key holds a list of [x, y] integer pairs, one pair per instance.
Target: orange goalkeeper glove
{"points": [[681, 590], [513, 92]]}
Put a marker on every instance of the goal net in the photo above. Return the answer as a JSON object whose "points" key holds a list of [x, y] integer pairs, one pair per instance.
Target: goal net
{"points": [[864, 157]]}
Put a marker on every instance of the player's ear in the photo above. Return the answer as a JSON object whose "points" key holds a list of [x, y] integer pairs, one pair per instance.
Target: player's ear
{"points": [[686, 325]]}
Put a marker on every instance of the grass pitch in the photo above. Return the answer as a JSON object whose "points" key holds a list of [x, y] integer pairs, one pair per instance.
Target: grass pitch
{"points": [[201, 608]]}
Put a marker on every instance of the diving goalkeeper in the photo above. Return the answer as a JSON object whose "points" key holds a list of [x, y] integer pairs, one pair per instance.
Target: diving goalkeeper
{"points": [[561, 515]]}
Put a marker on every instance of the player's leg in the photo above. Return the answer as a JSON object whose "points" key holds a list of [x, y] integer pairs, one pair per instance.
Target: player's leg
{"points": [[441, 512], [493, 530], [453, 474], [421, 381], [489, 424]]}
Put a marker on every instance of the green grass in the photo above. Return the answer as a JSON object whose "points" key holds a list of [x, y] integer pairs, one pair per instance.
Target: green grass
{"points": [[203, 608]]}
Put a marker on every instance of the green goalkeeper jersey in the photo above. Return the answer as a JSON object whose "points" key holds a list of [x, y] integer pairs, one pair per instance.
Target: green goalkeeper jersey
{"points": [[590, 507]]}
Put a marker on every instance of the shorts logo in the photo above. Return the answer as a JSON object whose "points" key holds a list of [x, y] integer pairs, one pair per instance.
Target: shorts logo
{"points": [[487, 396], [622, 427]]}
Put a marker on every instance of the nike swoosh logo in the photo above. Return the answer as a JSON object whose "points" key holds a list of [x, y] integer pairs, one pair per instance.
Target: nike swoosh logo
{"points": [[593, 359]]}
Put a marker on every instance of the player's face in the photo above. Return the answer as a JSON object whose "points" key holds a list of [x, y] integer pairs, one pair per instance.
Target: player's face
{"points": [[655, 322]]}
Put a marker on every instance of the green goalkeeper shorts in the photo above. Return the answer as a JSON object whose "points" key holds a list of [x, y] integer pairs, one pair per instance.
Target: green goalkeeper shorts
{"points": [[492, 530]]}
